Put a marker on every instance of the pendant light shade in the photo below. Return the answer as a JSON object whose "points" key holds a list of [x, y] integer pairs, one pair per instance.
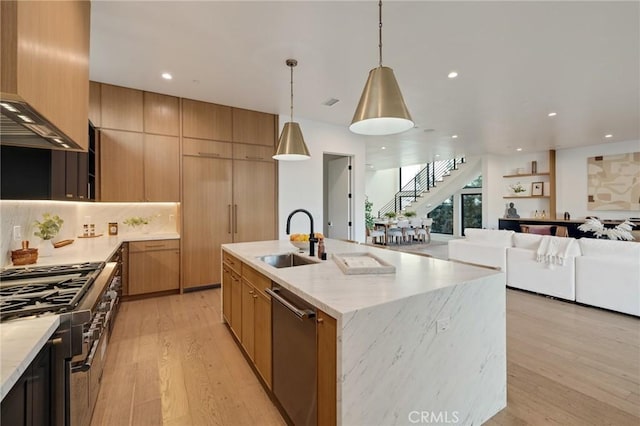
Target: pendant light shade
{"points": [[381, 110], [291, 146]]}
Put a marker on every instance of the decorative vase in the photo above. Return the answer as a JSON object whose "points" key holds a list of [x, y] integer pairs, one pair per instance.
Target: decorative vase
{"points": [[45, 248]]}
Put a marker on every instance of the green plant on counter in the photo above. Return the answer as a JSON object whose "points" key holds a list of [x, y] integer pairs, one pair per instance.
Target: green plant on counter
{"points": [[49, 227], [409, 213], [390, 215], [368, 217], [135, 221]]}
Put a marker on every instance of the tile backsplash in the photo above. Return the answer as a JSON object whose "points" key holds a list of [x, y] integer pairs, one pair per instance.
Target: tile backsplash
{"points": [[163, 218]]}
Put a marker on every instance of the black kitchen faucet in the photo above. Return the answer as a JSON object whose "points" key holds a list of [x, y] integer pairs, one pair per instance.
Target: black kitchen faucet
{"points": [[312, 236]]}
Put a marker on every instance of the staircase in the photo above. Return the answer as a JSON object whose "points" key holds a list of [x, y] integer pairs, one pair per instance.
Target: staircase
{"points": [[432, 185]]}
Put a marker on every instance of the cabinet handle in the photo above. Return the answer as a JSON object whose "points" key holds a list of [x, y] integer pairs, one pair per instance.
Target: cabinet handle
{"points": [[320, 320], [253, 158], [255, 297], [229, 227], [235, 218], [69, 195], [82, 197], [154, 245], [209, 154], [250, 291]]}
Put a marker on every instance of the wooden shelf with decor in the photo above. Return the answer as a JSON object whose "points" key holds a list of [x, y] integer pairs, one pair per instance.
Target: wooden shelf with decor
{"points": [[526, 196], [526, 175], [549, 185]]}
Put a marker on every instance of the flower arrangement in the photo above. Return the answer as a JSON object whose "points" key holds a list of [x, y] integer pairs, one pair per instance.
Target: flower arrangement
{"points": [[49, 227], [517, 188], [410, 213], [620, 232], [390, 215]]}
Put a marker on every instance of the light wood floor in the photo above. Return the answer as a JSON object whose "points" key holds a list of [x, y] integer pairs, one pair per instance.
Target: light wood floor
{"points": [[172, 362]]}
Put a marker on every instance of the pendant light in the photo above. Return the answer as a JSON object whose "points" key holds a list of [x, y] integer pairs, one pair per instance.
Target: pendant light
{"points": [[291, 146], [381, 110]]}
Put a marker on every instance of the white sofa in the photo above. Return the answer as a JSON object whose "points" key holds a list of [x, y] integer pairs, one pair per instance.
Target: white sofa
{"points": [[608, 275], [552, 277], [482, 247]]}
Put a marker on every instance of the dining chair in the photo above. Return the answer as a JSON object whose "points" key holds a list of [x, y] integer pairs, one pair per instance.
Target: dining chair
{"points": [[426, 224], [396, 231], [376, 234], [419, 230], [407, 232]]}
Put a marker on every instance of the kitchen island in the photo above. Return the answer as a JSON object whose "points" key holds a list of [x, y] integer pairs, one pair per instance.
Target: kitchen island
{"points": [[426, 344]]}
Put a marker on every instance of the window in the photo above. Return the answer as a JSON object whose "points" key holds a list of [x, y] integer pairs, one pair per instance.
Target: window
{"points": [[443, 217]]}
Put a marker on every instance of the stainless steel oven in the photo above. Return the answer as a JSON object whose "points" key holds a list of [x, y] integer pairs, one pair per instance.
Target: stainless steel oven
{"points": [[86, 297]]}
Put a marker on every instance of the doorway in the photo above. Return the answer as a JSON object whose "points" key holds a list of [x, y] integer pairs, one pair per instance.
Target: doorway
{"points": [[471, 211], [338, 200]]}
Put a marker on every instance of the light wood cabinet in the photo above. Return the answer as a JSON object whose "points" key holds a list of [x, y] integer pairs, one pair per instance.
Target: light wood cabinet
{"points": [[206, 212], [254, 201], [203, 120], [205, 148], [121, 159], [253, 127], [161, 167], [226, 293], [248, 317], [327, 369], [262, 336], [161, 114], [121, 108], [139, 167], [253, 152], [154, 266], [236, 305], [45, 61], [95, 98]]}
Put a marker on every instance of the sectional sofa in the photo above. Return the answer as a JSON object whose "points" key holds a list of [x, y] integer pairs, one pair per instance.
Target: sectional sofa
{"points": [[594, 272]]}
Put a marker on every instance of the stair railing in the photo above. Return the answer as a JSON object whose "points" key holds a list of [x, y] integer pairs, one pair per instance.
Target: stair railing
{"points": [[422, 182]]}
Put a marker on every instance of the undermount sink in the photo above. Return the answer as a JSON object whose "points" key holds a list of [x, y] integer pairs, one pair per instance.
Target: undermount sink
{"points": [[287, 260]]}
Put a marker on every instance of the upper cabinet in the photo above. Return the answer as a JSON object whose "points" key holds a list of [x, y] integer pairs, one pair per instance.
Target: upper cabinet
{"points": [[203, 120], [253, 127], [161, 114], [122, 108], [45, 61], [95, 109]]}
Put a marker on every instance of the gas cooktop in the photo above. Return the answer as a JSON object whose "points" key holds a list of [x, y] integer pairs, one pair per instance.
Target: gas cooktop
{"points": [[45, 289]]}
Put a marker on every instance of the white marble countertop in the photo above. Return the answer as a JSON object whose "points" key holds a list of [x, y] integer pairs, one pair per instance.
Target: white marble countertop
{"points": [[20, 342], [327, 287], [97, 249]]}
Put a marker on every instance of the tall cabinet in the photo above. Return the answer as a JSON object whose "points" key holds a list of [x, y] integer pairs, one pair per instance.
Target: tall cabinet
{"points": [[228, 187]]}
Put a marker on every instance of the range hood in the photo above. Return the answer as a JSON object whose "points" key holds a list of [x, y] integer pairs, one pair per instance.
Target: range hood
{"points": [[20, 125]]}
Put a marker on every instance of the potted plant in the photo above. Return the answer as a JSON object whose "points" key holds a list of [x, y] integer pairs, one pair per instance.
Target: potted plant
{"points": [[136, 222], [368, 216], [47, 230], [390, 215], [410, 213], [518, 189]]}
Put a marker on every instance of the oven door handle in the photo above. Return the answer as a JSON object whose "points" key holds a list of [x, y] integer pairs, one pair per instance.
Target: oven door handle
{"points": [[86, 366]]}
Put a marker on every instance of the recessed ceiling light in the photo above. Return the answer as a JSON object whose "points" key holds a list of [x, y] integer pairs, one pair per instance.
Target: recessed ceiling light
{"points": [[552, 114], [167, 76], [454, 136], [608, 136], [452, 74], [384, 147], [518, 149]]}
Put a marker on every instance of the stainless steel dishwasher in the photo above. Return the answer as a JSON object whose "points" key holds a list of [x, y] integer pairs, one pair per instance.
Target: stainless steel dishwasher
{"points": [[294, 355]]}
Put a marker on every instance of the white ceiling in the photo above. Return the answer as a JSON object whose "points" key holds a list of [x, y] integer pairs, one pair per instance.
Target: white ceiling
{"points": [[517, 61]]}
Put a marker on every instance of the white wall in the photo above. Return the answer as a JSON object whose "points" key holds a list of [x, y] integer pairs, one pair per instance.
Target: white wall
{"points": [[571, 185], [381, 186], [571, 182], [300, 183]]}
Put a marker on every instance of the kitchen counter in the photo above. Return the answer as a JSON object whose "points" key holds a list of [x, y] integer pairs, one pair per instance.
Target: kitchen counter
{"points": [[430, 338], [20, 342], [98, 249]]}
